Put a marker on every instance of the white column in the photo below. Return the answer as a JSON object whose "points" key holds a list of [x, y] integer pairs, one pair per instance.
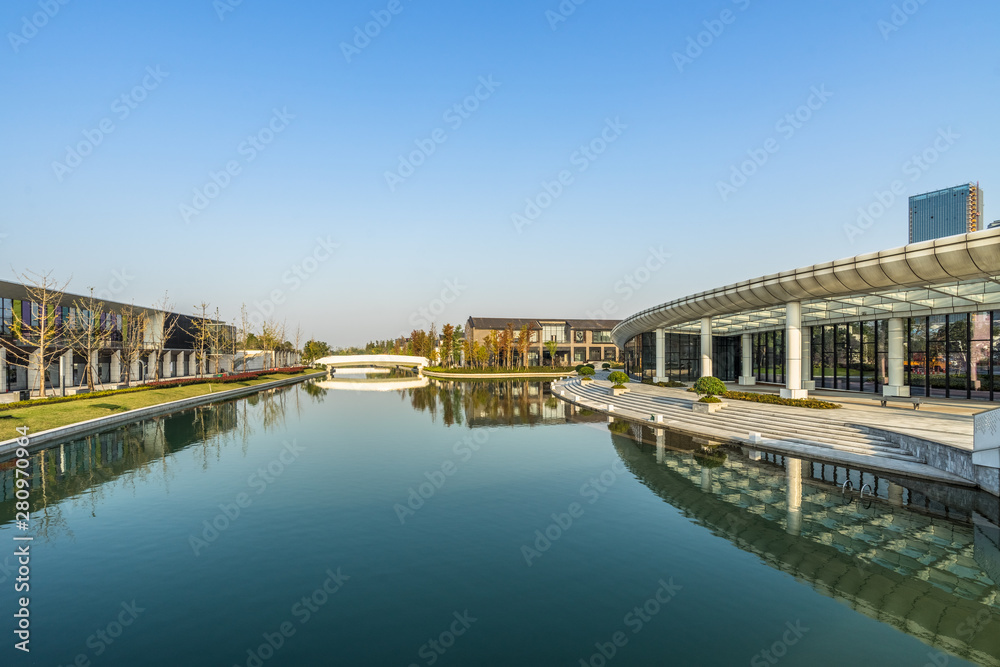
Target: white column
{"points": [[227, 362], [793, 496], [116, 367], [66, 367], [661, 445], [661, 357], [793, 352], [897, 380], [134, 371], [3, 370], [706, 346], [151, 366], [747, 379], [807, 360]]}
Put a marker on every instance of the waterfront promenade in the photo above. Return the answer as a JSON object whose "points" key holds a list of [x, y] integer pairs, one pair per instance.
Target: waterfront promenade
{"points": [[860, 434]]}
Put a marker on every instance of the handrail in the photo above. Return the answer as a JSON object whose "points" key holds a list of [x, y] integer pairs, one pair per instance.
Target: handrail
{"points": [[869, 487], [843, 489]]}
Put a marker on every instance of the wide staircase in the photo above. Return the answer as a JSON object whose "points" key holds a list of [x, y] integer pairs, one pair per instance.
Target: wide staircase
{"points": [[737, 420]]}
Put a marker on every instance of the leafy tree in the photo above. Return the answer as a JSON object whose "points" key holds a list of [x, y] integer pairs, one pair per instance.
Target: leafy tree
{"points": [[447, 344], [587, 371], [552, 346], [313, 350], [619, 379], [709, 386]]}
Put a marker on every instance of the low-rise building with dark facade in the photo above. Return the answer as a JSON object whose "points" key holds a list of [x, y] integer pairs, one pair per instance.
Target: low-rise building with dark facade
{"points": [[577, 341]]}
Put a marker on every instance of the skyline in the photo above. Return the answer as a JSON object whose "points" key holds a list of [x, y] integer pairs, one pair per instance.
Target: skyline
{"points": [[298, 134]]}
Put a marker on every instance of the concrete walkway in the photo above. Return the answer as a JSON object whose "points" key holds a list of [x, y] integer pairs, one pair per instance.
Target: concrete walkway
{"points": [[836, 436]]}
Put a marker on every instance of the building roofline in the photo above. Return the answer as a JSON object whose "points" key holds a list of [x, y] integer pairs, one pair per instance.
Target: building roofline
{"points": [[961, 257]]}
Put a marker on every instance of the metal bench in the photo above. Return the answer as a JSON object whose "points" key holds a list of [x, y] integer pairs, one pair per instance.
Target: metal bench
{"points": [[916, 400]]}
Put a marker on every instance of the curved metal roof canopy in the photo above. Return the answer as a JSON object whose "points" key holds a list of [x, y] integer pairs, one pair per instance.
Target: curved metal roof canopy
{"points": [[974, 256]]}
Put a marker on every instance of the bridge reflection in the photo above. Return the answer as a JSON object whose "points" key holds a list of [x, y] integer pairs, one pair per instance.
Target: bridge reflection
{"points": [[905, 558]]}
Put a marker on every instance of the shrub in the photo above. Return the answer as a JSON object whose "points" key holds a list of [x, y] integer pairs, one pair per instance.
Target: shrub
{"points": [[709, 399], [585, 371], [605, 366], [711, 459], [619, 378], [712, 386], [773, 399], [672, 383]]}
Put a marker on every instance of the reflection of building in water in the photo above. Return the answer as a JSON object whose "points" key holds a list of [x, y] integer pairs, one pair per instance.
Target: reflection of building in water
{"points": [[348, 383], [496, 403], [74, 467], [919, 571]]}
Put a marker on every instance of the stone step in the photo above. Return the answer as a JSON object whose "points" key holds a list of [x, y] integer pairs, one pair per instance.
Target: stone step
{"points": [[748, 417], [799, 430]]}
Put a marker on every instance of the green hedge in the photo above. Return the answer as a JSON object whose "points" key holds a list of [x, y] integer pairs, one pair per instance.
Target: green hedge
{"points": [[773, 399]]}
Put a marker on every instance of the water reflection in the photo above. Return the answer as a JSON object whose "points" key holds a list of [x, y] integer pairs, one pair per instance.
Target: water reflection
{"points": [[85, 469], [918, 557], [496, 403]]}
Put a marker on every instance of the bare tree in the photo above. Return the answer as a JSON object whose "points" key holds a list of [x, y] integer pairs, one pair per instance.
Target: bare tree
{"points": [[87, 333], [133, 344], [162, 327], [244, 333], [202, 335], [298, 340], [39, 331], [220, 342]]}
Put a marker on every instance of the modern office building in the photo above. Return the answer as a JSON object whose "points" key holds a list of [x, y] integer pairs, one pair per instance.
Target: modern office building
{"points": [[578, 341], [920, 320], [65, 374], [935, 215]]}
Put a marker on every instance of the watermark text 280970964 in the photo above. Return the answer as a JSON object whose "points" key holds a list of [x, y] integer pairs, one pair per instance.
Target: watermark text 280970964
{"points": [[22, 548]]}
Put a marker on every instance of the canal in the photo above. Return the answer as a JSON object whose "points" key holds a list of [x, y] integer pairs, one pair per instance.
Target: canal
{"points": [[486, 523]]}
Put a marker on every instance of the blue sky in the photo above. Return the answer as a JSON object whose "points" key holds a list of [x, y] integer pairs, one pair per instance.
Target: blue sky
{"points": [[312, 231]]}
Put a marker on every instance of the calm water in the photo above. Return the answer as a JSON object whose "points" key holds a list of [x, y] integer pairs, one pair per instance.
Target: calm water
{"points": [[482, 524]]}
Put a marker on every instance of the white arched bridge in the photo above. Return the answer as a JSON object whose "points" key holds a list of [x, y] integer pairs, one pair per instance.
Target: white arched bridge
{"points": [[384, 360]]}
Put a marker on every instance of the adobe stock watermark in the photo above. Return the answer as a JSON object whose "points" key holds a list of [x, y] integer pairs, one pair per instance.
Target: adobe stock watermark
{"points": [[258, 481], [120, 280], [631, 283], [302, 611], [714, 28], [786, 126], [914, 167], [899, 17], [424, 316], [102, 639], [635, 620], [296, 275], [967, 631], [582, 158], [223, 7], [455, 116], [121, 108], [420, 493], [561, 13], [248, 150], [31, 25], [434, 648], [779, 648], [593, 490], [363, 35]]}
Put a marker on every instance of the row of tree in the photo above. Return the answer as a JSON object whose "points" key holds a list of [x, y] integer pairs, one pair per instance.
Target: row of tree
{"points": [[87, 326]]}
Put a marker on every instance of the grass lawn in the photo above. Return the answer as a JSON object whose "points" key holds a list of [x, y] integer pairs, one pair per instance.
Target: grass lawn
{"points": [[43, 417]]}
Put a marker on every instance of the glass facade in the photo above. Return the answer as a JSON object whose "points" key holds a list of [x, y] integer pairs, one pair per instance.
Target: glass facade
{"points": [[682, 359], [934, 215], [946, 356], [556, 332], [851, 356], [953, 356]]}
